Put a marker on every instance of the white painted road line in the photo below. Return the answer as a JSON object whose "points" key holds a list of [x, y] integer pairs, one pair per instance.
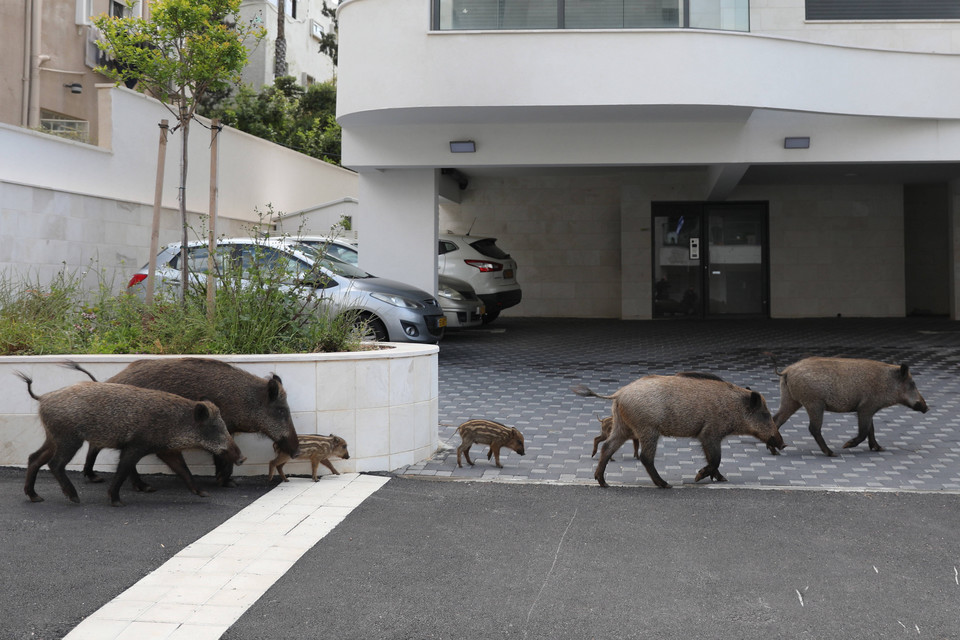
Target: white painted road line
{"points": [[201, 591]]}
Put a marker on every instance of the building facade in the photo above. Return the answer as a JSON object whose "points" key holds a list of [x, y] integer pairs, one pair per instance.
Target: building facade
{"points": [[664, 158]]}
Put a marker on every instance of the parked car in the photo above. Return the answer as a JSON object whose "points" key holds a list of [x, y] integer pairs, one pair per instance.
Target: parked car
{"points": [[459, 301], [392, 310], [489, 269]]}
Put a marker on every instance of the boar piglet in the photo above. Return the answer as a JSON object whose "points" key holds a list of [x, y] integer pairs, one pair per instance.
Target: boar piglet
{"points": [[247, 403], [845, 385], [317, 449], [488, 432], [683, 407], [136, 421]]}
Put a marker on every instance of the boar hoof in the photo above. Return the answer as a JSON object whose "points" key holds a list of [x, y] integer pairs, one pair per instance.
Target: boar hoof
{"points": [[35, 499], [876, 448], [94, 478], [202, 493], [117, 503]]}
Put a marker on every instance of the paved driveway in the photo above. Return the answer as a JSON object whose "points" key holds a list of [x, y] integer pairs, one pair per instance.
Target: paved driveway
{"points": [[519, 371]]}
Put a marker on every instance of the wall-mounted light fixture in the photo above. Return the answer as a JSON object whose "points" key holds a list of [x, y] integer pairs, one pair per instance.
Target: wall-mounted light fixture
{"points": [[75, 87], [463, 146], [796, 143]]}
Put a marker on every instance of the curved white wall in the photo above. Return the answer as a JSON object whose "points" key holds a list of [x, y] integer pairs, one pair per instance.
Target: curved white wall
{"points": [[424, 70]]}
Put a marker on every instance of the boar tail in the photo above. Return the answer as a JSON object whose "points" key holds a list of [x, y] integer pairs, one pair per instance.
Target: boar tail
{"points": [[582, 390], [29, 381], [70, 364], [776, 367]]}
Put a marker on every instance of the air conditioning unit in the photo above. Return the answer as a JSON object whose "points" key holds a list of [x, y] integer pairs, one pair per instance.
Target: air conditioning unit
{"points": [[316, 29]]}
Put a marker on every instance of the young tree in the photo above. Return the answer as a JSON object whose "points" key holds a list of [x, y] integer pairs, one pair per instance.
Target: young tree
{"points": [[186, 49]]}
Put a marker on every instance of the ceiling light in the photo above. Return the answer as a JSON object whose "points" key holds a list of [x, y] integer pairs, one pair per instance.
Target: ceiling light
{"points": [[796, 143], [463, 146]]}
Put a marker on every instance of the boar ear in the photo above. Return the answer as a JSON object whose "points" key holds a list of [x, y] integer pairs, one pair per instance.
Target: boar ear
{"points": [[756, 400], [904, 371], [201, 412], [273, 388]]}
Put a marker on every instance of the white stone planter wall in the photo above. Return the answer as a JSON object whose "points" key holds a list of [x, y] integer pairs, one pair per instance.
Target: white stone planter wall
{"points": [[383, 402]]}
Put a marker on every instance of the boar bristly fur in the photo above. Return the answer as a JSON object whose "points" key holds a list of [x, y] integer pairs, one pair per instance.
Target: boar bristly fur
{"points": [[683, 407], [845, 385], [488, 432], [317, 449], [136, 421], [248, 404]]}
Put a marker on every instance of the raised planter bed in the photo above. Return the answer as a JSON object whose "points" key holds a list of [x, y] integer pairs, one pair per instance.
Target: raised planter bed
{"points": [[383, 402]]}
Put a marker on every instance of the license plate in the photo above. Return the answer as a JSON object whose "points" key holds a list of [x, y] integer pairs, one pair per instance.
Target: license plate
{"points": [[508, 274], [442, 321]]}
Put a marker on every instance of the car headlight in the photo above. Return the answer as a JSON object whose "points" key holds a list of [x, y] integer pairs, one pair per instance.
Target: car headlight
{"points": [[449, 293], [397, 301]]}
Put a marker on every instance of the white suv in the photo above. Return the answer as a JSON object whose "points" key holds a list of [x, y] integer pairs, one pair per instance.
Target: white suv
{"points": [[486, 267]]}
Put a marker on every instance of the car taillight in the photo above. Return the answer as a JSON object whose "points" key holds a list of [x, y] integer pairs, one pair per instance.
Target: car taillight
{"points": [[485, 265], [136, 279]]}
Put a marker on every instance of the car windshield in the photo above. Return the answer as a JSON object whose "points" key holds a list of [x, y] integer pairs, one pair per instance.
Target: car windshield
{"points": [[339, 267]]}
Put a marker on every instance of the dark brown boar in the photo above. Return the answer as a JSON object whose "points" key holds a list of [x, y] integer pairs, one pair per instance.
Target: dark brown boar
{"points": [[845, 385], [318, 449], [247, 403], [136, 421], [683, 407], [488, 432]]}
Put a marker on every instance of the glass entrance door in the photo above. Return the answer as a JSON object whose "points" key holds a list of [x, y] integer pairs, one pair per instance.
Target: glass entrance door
{"points": [[736, 266], [710, 259]]}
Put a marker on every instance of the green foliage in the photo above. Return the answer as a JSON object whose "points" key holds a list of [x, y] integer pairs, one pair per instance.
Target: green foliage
{"points": [[300, 118], [185, 49], [257, 313], [329, 44]]}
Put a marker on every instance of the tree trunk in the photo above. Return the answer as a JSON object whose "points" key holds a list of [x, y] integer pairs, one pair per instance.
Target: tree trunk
{"points": [[280, 53], [185, 124]]}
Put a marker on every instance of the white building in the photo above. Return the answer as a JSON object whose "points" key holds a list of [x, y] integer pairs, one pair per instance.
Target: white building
{"points": [[645, 158], [304, 25]]}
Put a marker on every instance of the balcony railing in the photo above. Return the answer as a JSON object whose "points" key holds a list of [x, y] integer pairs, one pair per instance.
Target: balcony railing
{"points": [[484, 15]]}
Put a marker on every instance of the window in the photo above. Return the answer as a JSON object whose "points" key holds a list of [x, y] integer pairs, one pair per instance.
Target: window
{"points": [[882, 10]]}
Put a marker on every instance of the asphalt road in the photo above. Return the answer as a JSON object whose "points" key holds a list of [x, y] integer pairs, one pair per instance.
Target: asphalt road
{"points": [[447, 559]]}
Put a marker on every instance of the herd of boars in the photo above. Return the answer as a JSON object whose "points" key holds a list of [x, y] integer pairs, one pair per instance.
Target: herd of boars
{"points": [[707, 408], [165, 406]]}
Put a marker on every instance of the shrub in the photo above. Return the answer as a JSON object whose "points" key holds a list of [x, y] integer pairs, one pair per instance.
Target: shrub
{"points": [[260, 308]]}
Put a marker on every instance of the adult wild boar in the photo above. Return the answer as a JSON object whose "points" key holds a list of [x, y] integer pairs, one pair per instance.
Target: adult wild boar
{"points": [[247, 403], [845, 385], [683, 407], [136, 421]]}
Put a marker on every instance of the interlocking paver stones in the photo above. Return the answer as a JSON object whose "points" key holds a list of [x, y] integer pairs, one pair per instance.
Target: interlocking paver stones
{"points": [[519, 371]]}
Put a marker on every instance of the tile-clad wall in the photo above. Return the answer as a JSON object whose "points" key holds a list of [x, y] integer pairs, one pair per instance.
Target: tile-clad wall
{"points": [[563, 231], [582, 241], [384, 403], [43, 232]]}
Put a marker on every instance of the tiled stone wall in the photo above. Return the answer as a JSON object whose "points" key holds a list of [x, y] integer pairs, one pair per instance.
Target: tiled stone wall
{"points": [[43, 232], [384, 403], [582, 241]]}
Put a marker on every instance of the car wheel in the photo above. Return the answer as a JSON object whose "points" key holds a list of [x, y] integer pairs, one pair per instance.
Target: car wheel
{"points": [[490, 316], [373, 328]]}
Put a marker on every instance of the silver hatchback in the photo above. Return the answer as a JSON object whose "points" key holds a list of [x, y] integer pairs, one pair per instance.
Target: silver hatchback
{"points": [[392, 311]]}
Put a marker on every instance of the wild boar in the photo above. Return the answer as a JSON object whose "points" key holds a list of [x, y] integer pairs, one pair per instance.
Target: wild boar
{"points": [[247, 403], [318, 449], [683, 407], [606, 424], [136, 421], [845, 385], [488, 432]]}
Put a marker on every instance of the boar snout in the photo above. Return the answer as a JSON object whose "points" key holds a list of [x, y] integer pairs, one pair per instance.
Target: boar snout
{"points": [[521, 451], [775, 444], [921, 406]]}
